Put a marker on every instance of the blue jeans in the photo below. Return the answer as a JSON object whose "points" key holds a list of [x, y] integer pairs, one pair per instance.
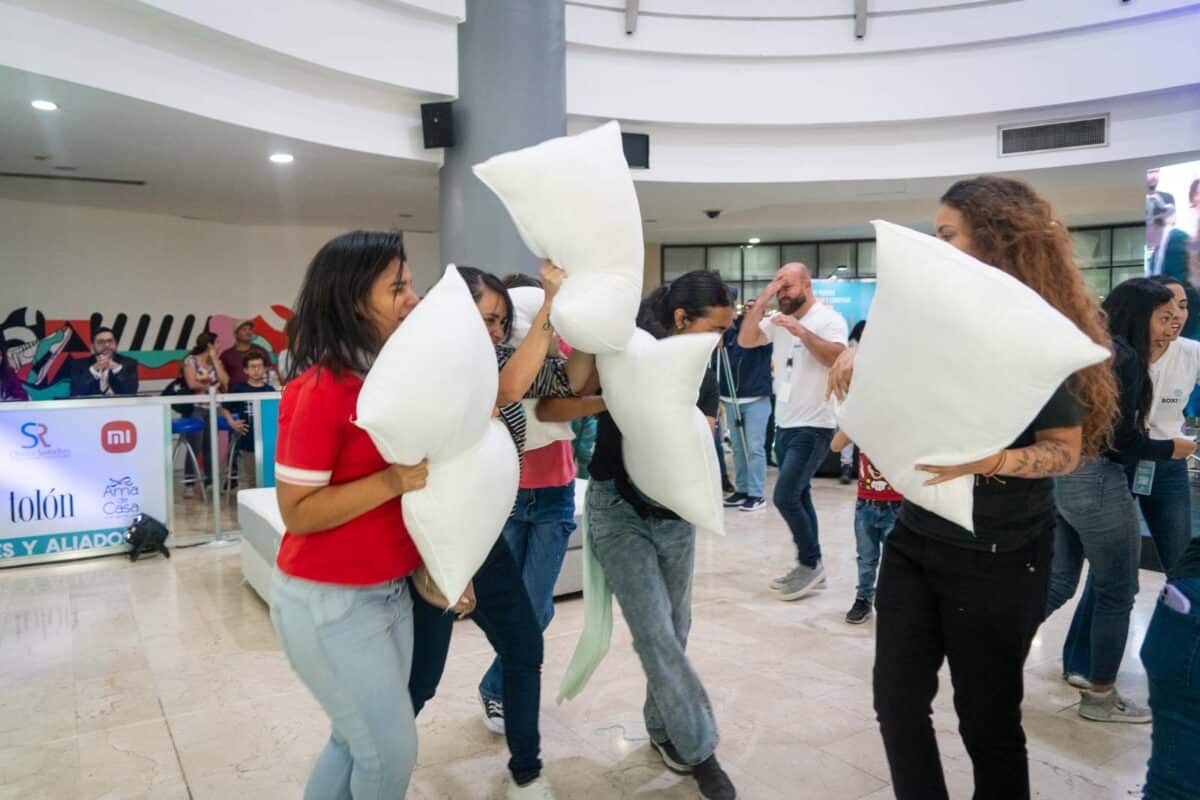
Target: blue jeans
{"points": [[353, 646], [800, 452], [1171, 654], [873, 521], [505, 616], [1168, 510], [648, 563], [750, 469], [537, 534], [1096, 520]]}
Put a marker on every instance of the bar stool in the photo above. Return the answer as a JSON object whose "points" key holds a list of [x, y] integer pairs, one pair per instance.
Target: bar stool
{"points": [[235, 439], [179, 427]]}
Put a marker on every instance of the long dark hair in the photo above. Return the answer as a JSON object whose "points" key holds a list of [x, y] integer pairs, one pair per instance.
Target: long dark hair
{"points": [[694, 292], [1130, 307], [1015, 229], [202, 343], [328, 327], [477, 281]]}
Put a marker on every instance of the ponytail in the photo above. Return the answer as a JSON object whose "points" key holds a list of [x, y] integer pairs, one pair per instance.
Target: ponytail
{"points": [[695, 293]]}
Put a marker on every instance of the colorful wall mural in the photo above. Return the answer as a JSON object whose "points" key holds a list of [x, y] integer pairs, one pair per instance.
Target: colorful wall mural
{"points": [[42, 350]]}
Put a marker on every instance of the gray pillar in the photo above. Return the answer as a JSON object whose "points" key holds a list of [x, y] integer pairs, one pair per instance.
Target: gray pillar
{"points": [[511, 94]]}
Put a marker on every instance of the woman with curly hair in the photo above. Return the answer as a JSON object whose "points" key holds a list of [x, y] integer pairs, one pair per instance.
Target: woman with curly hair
{"points": [[977, 599]]}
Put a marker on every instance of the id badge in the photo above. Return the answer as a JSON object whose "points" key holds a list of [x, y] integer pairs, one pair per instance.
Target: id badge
{"points": [[1143, 479], [783, 392]]}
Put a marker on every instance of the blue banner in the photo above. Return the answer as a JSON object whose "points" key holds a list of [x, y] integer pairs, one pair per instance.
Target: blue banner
{"points": [[270, 430], [61, 543], [851, 299]]}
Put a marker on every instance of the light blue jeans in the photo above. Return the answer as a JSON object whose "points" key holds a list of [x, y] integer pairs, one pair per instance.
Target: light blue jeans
{"points": [[873, 521], [648, 563], [352, 646], [750, 469]]}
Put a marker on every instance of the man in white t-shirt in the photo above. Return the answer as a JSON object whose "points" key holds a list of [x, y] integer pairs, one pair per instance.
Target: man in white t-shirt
{"points": [[806, 336]]}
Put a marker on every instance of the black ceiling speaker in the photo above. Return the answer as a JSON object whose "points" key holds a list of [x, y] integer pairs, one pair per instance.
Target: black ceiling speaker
{"points": [[437, 123], [637, 150]]}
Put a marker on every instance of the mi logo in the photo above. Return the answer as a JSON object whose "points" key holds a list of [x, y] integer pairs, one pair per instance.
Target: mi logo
{"points": [[118, 437]]}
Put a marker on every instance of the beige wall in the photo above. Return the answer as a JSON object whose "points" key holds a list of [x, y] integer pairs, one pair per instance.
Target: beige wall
{"points": [[652, 276]]}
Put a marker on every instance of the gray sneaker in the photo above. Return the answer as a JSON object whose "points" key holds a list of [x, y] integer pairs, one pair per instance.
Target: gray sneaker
{"points": [[779, 583], [806, 581], [1111, 707]]}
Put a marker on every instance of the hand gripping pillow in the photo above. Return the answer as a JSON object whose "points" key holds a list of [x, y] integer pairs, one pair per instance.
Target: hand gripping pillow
{"points": [[650, 389], [527, 301], [456, 519], [431, 391], [957, 359], [573, 202]]}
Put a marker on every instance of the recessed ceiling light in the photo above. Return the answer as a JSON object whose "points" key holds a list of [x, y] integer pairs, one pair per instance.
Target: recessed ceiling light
{"points": [[44, 105], [282, 158], [754, 240], [843, 269]]}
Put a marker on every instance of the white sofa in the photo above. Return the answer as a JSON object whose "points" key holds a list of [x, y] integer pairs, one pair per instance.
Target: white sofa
{"points": [[262, 529]]}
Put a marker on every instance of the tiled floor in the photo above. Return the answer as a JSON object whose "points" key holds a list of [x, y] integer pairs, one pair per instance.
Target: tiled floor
{"points": [[163, 679]]}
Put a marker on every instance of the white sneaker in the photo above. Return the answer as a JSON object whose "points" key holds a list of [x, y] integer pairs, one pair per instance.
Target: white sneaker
{"points": [[1111, 707], [1077, 680], [539, 789]]}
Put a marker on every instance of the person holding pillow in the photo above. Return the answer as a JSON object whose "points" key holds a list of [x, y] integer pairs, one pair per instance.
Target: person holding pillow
{"points": [[647, 553], [339, 599], [1097, 517], [502, 607], [1174, 372], [977, 599]]}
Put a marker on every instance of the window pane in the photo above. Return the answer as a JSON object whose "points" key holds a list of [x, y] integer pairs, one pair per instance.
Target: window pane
{"points": [[1096, 280], [1093, 248], [762, 261], [751, 290], [1129, 245], [866, 259], [835, 256], [1122, 274], [678, 260], [727, 261], [806, 254]]}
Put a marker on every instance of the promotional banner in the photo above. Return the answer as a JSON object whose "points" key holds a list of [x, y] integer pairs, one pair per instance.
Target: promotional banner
{"points": [[72, 479], [851, 299]]}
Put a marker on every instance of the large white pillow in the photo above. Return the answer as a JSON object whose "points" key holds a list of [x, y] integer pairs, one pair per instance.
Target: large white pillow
{"points": [[957, 359], [457, 518], [650, 389], [431, 391], [573, 202], [527, 301]]}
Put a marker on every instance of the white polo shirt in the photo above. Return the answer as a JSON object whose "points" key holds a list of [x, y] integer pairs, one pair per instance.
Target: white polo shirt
{"points": [[800, 379], [1174, 376]]}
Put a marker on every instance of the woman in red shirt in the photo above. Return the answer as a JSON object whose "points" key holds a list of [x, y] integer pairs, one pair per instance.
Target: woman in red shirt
{"points": [[339, 599]]}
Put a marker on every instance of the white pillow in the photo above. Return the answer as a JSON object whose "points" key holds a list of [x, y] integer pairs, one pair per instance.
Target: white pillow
{"points": [[573, 202], [432, 388], [457, 518], [651, 389], [527, 301], [957, 360]]}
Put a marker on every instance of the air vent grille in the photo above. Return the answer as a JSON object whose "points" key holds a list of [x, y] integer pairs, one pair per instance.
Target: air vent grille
{"points": [[1068, 135]]}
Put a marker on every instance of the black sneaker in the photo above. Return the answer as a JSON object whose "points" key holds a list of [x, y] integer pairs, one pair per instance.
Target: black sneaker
{"points": [[714, 783], [671, 757], [860, 612], [753, 504], [734, 500], [493, 715]]}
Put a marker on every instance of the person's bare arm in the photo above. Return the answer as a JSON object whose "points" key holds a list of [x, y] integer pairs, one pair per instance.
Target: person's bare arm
{"points": [[750, 335], [840, 442], [310, 509], [823, 350], [580, 367], [523, 367], [565, 409], [1055, 452]]}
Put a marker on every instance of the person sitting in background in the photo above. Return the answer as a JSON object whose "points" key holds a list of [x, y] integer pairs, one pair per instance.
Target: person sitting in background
{"points": [[201, 370], [106, 373], [254, 366], [234, 358], [11, 388]]}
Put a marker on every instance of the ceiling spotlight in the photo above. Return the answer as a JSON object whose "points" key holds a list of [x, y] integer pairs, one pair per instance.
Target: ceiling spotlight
{"points": [[44, 105], [754, 240], [282, 158], [843, 269]]}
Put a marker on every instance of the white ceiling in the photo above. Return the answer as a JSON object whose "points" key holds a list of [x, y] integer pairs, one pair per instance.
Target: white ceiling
{"points": [[200, 168]]}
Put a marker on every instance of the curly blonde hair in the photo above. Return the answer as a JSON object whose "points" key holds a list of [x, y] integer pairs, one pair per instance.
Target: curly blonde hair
{"points": [[1014, 229]]}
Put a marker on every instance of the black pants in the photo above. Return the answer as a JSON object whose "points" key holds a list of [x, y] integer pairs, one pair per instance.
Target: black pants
{"points": [[980, 611], [505, 615]]}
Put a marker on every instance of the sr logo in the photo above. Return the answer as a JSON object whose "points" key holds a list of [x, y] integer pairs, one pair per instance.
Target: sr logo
{"points": [[118, 437], [35, 432]]}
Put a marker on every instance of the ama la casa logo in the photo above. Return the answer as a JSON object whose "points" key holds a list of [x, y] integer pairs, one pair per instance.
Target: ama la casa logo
{"points": [[119, 436], [37, 443]]}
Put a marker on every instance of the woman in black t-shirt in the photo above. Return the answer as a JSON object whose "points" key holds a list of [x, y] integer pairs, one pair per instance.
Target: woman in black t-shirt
{"points": [[977, 599], [648, 552]]}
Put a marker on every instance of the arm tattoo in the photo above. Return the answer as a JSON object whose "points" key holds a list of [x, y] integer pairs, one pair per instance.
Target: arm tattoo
{"points": [[1042, 460]]}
